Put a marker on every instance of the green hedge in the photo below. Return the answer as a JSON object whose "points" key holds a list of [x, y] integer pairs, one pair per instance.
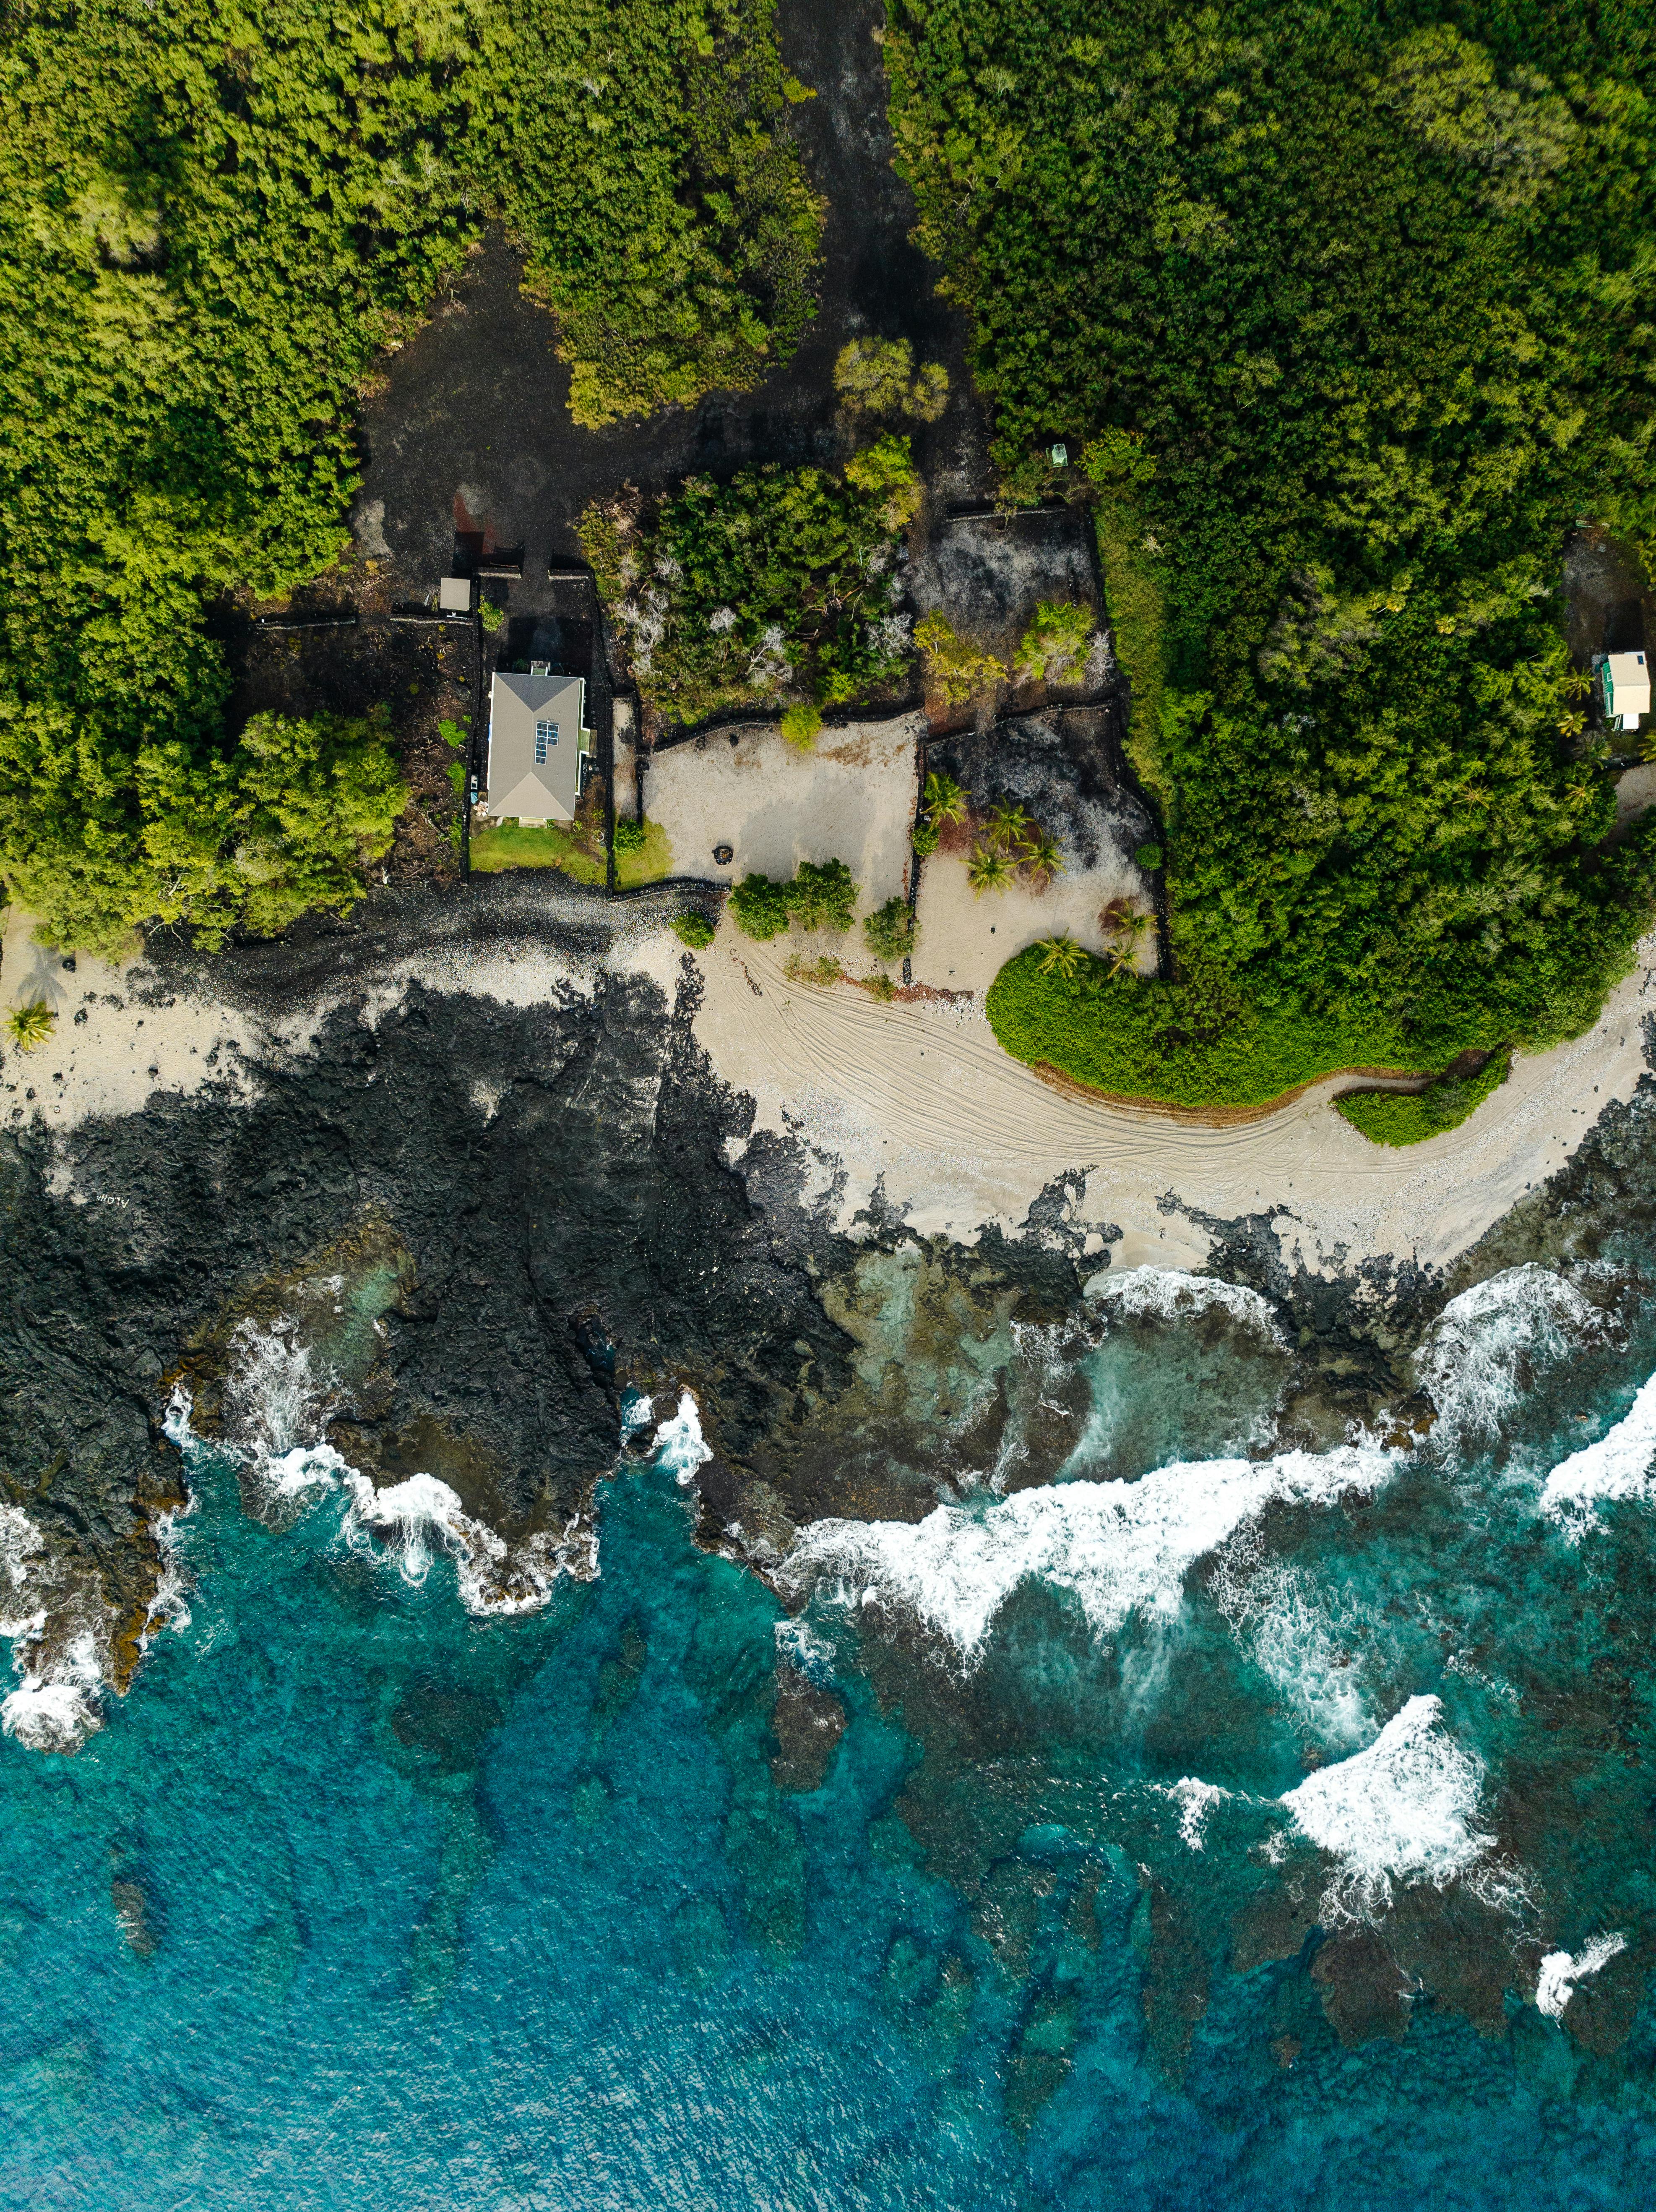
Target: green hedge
{"points": [[1409, 1118], [1189, 1045]]}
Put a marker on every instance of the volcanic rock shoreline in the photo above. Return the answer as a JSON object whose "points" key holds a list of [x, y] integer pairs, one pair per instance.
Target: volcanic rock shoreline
{"points": [[545, 1196]]}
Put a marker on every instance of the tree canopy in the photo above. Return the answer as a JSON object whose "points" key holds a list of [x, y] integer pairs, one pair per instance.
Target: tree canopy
{"points": [[214, 219], [1345, 313]]}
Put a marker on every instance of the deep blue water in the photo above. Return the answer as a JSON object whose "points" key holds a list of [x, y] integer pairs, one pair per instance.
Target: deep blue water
{"points": [[430, 1913]]}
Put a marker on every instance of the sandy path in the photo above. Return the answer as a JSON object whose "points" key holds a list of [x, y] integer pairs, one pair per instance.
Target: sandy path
{"points": [[922, 1095], [852, 799], [966, 938]]}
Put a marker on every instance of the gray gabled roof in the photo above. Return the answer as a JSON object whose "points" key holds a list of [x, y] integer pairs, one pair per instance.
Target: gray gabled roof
{"points": [[548, 790]]}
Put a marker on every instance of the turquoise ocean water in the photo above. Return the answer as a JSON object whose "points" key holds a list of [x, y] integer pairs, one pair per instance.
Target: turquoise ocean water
{"points": [[356, 1900]]}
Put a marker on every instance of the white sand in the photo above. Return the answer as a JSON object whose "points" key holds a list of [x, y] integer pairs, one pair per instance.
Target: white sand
{"points": [[922, 1095], [122, 1052], [966, 938], [852, 800]]}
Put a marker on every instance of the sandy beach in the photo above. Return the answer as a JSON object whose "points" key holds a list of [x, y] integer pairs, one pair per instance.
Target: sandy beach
{"points": [[914, 1099], [920, 1098]]}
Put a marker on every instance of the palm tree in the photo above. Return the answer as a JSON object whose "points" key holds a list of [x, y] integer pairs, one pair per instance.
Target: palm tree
{"points": [[1041, 856], [1126, 929], [1060, 956], [31, 1025], [944, 799], [1007, 823], [1572, 724], [988, 870], [1577, 684]]}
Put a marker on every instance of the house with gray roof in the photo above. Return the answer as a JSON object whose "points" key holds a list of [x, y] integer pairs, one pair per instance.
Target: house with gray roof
{"points": [[539, 747]]}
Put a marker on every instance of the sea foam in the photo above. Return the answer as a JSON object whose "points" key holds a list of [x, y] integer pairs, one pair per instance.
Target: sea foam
{"points": [[57, 1708], [1485, 1343], [1616, 1467], [679, 1444], [1118, 1547], [1400, 1810], [1169, 1294], [1560, 1972]]}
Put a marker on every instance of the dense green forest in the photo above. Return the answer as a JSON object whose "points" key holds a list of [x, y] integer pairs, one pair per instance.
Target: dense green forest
{"points": [[782, 583], [1344, 314], [213, 218]]}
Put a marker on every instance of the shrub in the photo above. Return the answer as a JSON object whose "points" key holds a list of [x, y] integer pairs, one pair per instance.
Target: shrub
{"points": [[823, 898], [875, 376], [30, 1025], [889, 931], [778, 581], [1057, 636], [1149, 857], [694, 930], [631, 836], [801, 726], [955, 668], [491, 616], [877, 987], [1394, 1117], [760, 906], [886, 472], [926, 834], [822, 971]]}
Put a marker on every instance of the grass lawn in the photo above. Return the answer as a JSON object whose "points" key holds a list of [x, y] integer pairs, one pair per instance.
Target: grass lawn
{"points": [[511, 845], [1173, 1043], [649, 862]]}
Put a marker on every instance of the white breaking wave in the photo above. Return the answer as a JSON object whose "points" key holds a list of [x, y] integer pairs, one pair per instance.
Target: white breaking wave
{"points": [[1118, 1547], [1168, 1293], [1555, 1984], [20, 1542], [168, 1607], [1401, 1810], [1195, 1799], [1304, 1636], [57, 1708], [1616, 1467], [800, 1645], [413, 1520], [1474, 1363], [680, 1445], [276, 1403]]}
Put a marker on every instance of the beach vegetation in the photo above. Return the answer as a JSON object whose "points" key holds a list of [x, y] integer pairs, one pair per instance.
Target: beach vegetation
{"points": [[1006, 826], [801, 727], [759, 906], [1344, 313], [889, 931], [693, 929], [823, 969], [879, 987], [956, 670], [631, 835], [492, 616], [926, 837], [1055, 639], [822, 896], [1148, 857], [989, 868], [779, 582], [30, 1025], [1398, 1117], [644, 863]]}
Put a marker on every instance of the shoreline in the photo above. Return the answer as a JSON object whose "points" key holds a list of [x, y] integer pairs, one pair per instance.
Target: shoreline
{"points": [[908, 1111]]}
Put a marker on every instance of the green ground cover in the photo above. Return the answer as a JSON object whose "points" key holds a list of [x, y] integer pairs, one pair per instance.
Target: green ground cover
{"points": [[213, 221], [1181, 1044], [511, 845], [646, 863], [1409, 1118], [1342, 312], [780, 583]]}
